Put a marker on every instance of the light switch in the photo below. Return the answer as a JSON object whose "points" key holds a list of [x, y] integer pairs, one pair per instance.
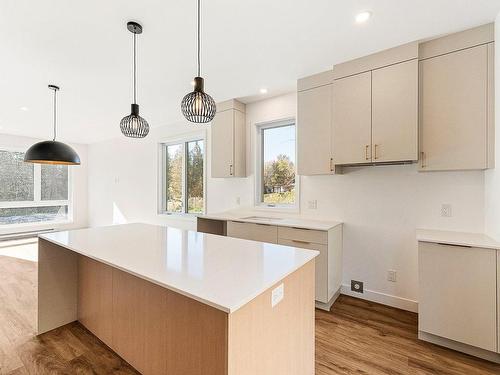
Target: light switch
{"points": [[277, 295]]}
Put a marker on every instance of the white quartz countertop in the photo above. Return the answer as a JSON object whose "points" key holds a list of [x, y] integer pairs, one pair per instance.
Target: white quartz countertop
{"points": [[223, 272], [283, 220], [457, 238]]}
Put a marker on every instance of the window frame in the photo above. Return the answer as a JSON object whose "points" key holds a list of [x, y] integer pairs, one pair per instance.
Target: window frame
{"points": [[37, 197], [259, 167], [162, 175]]}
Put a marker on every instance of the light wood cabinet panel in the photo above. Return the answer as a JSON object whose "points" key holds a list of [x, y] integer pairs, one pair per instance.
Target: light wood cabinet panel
{"points": [[491, 105], [395, 112], [457, 294], [95, 297], [251, 231], [222, 140], [454, 115], [321, 273], [228, 141], [351, 136], [314, 127]]}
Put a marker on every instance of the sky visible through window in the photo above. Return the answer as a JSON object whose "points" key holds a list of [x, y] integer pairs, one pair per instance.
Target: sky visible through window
{"points": [[279, 141]]}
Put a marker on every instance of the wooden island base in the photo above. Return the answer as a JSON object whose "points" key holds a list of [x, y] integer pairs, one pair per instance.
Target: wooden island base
{"points": [[159, 331]]}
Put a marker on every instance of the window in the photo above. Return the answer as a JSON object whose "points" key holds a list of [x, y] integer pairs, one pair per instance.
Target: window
{"points": [[276, 185], [31, 193], [183, 184]]}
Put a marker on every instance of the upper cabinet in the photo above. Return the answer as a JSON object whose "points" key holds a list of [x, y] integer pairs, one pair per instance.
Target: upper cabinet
{"points": [[314, 124], [352, 110], [456, 95], [228, 140], [395, 113], [375, 108]]}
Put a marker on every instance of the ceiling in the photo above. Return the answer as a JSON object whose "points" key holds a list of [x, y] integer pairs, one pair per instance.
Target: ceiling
{"points": [[84, 47]]}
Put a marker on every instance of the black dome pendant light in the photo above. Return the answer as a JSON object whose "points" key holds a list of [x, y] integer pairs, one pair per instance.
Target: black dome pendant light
{"points": [[52, 152], [133, 125], [197, 106]]}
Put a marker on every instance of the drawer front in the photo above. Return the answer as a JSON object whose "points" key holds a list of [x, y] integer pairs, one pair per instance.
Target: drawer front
{"points": [[321, 265], [306, 235], [251, 231]]}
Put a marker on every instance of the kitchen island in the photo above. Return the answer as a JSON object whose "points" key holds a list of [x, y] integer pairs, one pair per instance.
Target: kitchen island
{"points": [[172, 301]]}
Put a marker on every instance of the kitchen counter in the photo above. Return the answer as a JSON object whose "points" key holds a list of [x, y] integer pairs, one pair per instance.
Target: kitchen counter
{"points": [[222, 272], [280, 220], [479, 240], [172, 301]]}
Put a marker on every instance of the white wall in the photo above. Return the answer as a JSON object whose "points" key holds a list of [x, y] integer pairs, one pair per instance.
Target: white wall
{"points": [[79, 185], [123, 180], [380, 206], [493, 176]]}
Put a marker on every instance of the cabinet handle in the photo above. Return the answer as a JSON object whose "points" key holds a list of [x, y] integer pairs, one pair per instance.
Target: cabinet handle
{"points": [[422, 157], [303, 242], [366, 152], [230, 169], [376, 157], [331, 165]]}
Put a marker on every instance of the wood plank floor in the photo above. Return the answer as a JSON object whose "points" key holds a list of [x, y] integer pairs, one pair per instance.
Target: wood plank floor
{"points": [[356, 337]]}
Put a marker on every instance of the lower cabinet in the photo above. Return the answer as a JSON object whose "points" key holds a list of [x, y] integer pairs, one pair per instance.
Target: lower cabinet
{"points": [[329, 243], [251, 231], [458, 294]]}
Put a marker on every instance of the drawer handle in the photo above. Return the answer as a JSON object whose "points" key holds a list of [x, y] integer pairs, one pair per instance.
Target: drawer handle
{"points": [[304, 242], [454, 245], [300, 228], [266, 225], [237, 222]]}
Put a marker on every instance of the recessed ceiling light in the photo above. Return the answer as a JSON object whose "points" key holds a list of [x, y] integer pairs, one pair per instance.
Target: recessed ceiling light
{"points": [[24, 109], [263, 90], [363, 17]]}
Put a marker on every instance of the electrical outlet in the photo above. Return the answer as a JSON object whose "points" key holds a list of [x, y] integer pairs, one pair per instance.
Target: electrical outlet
{"points": [[357, 286], [446, 210], [277, 295], [391, 275], [312, 205]]}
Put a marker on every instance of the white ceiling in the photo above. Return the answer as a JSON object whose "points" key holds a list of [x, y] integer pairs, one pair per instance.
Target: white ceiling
{"points": [[84, 47]]}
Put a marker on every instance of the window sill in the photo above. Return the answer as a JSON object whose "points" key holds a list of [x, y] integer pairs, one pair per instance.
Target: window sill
{"points": [[278, 209]]}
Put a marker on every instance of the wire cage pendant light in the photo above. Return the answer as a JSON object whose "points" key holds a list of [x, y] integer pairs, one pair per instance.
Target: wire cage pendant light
{"points": [[133, 125], [52, 152], [198, 106]]}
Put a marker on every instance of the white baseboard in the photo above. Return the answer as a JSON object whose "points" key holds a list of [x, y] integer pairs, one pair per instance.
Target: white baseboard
{"points": [[384, 299]]}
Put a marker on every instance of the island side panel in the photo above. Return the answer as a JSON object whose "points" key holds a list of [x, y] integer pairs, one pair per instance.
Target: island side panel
{"points": [[154, 329], [57, 286], [275, 340]]}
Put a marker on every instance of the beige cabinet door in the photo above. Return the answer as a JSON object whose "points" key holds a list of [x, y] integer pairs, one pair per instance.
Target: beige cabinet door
{"points": [[351, 135], [321, 268], [222, 144], [454, 102], [457, 294], [239, 145], [498, 300], [314, 123], [395, 112], [251, 231]]}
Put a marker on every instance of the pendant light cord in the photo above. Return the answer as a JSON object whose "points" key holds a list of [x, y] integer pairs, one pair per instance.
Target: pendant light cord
{"points": [[134, 72], [199, 69], [55, 114]]}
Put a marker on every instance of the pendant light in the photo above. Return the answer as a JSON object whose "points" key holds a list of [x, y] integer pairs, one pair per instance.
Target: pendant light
{"points": [[133, 125], [197, 106], [52, 152]]}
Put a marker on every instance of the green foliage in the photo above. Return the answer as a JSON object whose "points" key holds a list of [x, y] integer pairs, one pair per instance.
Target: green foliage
{"points": [[279, 180]]}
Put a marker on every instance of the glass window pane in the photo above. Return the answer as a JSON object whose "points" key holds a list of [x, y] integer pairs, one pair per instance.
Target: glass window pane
{"points": [[278, 169], [19, 215], [16, 177], [174, 178], [194, 176], [54, 179]]}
